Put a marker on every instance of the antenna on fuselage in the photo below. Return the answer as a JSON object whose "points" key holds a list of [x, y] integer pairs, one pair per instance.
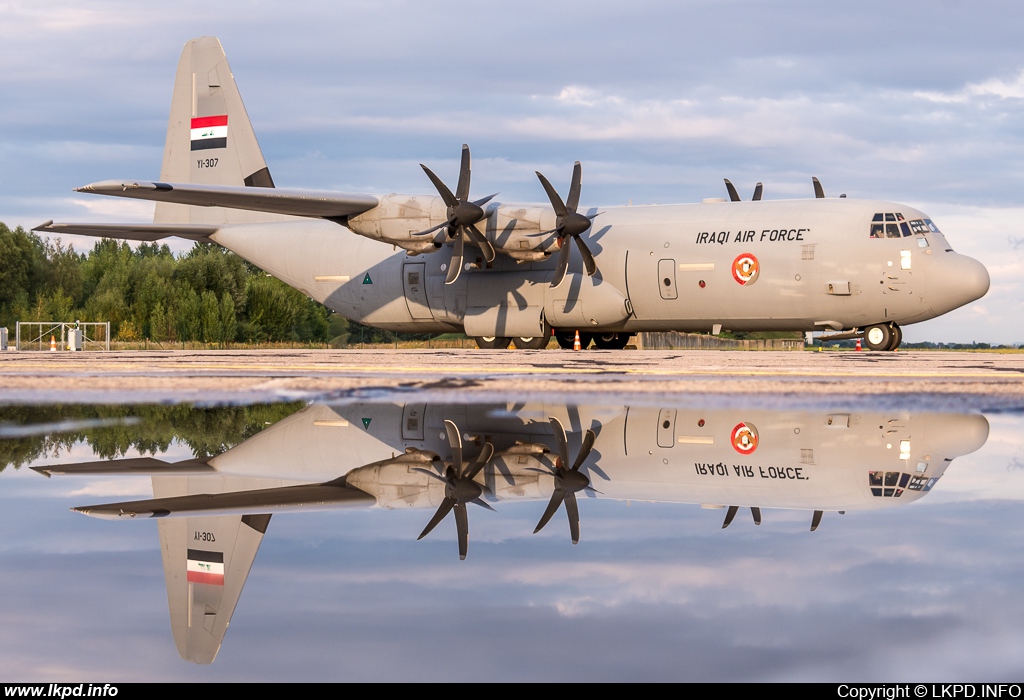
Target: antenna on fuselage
{"points": [[735, 196], [819, 193]]}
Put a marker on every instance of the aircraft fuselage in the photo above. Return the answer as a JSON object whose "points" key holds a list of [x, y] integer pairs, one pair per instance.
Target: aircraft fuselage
{"points": [[796, 265]]}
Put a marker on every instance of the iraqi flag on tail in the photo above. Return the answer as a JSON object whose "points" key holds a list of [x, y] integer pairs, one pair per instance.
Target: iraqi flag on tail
{"points": [[205, 567], [209, 132]]}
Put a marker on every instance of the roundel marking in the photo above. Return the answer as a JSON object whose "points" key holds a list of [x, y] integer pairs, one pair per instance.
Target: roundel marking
{"points": [[745, 268], [744, 438]]}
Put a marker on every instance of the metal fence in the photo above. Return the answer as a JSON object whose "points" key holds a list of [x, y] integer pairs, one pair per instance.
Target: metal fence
{"points": [[47, 335], [671, 340]]}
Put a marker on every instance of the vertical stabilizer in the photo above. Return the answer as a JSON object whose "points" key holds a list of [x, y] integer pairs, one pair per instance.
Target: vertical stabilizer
{"points": [[209, 138], [207, 559]]}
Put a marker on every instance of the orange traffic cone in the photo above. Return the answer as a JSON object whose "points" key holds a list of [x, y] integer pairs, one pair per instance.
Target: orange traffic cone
{"points": [[858, 345], [53, 344], [576, 342]]}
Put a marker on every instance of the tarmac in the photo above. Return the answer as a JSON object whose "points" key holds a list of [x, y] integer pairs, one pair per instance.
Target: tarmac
{"points": [[946, 380]]}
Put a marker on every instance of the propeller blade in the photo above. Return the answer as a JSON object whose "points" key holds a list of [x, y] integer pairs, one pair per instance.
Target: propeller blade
{"points": [[573, 511], [442, 511], [563, 445], [429, 472], [481, 240], [573, 200], [556, 500], [462, 191], [556, 200], [442, 189], [455, 266], [481, 460], [734, 196], [588, 445], [588, 257], [756, 512], [816, 520], [455, 442], [561, 266], [483, 504], [485, 200], [758, 189], [462, 526], [431, 230], [729, 515], [819, 192]]}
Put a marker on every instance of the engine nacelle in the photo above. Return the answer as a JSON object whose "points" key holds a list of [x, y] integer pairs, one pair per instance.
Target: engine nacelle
{"points": [[511, 228]]}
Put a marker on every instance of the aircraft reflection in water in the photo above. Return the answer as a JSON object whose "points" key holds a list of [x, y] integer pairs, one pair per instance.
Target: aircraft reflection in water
{"points": [[214, 512]]}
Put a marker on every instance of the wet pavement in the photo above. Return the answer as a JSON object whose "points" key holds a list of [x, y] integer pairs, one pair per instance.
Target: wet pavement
{"points": [[623, 516]]}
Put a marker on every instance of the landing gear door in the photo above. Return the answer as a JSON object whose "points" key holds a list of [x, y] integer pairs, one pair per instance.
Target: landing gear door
{"points": [[415, 284]]}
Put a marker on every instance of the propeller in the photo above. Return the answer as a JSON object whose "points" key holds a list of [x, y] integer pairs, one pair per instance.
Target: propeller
{"points": [[463, 215], [568, 481], [569, 224], [735, 197], [459, 487], [731, 513]]}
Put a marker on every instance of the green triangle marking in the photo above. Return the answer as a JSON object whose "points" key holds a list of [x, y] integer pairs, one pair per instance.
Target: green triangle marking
{"points": [[366, 423], [367, 280]]}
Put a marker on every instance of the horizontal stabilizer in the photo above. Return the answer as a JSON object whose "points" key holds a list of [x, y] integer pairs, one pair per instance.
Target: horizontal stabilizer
{"points": [[302, 497], [294, 202], [132, 232], [143, 466]]}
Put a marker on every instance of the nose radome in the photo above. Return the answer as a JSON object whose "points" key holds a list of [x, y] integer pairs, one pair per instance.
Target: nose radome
{"points": [[971, 279]]}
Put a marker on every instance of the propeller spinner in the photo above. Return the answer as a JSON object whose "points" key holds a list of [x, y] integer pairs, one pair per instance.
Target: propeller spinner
{"points": [[569, 224], [463, 215]]}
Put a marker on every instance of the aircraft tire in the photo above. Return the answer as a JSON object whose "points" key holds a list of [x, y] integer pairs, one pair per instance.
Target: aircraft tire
{"points": [[537, 343], [566, 339], [492, 343], [897, 337], [611, 341], [878, 337]]}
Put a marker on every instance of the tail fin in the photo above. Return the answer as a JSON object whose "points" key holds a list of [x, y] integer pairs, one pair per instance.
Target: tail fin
{"points": [[209, 138], [207, 559]]}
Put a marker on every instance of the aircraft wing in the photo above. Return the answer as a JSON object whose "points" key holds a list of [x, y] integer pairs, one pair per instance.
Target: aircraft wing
{"points": [[132, 232], [133, 466], [272, 500], [294, 202]]}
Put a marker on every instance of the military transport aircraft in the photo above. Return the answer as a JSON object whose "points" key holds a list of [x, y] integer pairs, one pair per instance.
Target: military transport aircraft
{"points": [[214, 512], [505, 272]]}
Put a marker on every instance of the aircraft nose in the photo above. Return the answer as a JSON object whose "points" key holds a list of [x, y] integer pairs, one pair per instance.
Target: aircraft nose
{"points": [[970, 279], [961, 281]]}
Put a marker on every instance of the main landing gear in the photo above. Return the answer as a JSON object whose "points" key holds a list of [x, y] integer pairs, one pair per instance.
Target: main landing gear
{"points": [[883, 336], [602, 341]]}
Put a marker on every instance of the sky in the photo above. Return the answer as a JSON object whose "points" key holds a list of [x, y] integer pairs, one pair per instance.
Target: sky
{"points": [[915, 102], [928, 590]]}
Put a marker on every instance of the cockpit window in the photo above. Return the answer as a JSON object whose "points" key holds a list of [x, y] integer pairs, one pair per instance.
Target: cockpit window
{"points": [[918, 226], [893, 484], [895, 226], [932, 227]]}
